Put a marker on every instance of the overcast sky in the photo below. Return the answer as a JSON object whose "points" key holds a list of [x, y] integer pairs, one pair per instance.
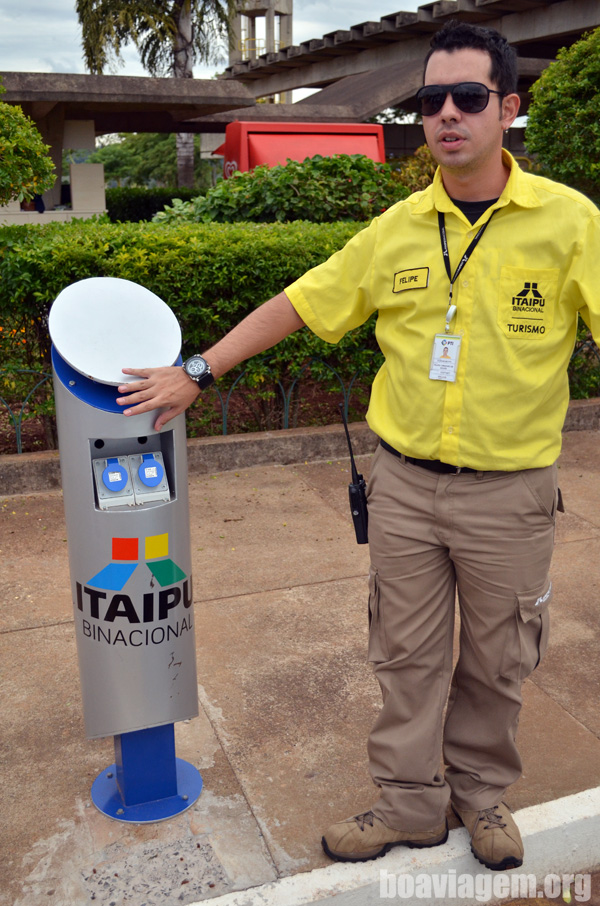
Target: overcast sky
{"points": [[42, 36]]}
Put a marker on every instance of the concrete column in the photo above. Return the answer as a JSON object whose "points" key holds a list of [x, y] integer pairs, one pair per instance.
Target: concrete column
{"points": [[270, 31], [285, 30], [52, 128], [235, 49], [251, 51]]}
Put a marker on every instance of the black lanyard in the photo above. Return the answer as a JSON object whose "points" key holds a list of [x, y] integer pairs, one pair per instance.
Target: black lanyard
{"points": [[465, 257]]}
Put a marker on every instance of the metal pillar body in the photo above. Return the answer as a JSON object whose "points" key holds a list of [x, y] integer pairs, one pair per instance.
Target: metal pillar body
{"points": [[126, 507]]}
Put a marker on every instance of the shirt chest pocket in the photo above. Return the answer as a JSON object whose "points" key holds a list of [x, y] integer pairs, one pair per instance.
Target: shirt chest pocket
{"points": [[527, 302]]}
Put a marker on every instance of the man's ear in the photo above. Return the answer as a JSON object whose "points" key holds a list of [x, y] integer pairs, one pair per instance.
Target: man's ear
{"points": [[509, 110]]}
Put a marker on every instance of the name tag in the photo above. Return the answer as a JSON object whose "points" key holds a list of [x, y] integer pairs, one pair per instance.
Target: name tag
{"points": [[415, 278], [444, 358]]}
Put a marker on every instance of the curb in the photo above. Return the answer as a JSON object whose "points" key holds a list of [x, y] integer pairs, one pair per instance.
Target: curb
{"points": [[560, 837], [28, 473]]}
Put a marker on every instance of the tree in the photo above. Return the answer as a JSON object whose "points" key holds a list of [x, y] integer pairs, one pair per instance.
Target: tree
{"points": [[170, 36], [563, 128], [148, 158], [26, 168], [395, 115], [118, 160]]}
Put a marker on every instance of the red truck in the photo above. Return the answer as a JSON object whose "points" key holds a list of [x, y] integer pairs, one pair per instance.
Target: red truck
{"points": [[249, 144]]}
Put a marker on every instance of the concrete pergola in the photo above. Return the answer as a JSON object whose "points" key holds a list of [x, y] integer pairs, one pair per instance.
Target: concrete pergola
{"points": [[71, 110]]}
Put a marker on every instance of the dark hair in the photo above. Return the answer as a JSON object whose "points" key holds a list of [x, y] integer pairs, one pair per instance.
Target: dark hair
{"points": [[456, 35]]}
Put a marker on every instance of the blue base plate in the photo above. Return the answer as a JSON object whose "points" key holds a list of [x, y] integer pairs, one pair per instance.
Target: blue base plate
{"points": [[107, 798]]}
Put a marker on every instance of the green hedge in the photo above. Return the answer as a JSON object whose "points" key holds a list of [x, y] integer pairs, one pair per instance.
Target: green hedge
{"points": [[210, 275], [349, 187], [134, 203]]}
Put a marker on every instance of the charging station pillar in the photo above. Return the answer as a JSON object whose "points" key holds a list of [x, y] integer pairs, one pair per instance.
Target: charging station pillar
{"points": [[126, 507]]}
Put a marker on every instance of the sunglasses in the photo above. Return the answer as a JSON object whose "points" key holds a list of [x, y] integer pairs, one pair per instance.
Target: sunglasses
{"points": [[470, 97]]}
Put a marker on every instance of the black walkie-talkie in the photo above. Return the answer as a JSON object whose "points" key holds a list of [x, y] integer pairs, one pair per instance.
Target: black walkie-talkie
{"points": [[357, 492]]}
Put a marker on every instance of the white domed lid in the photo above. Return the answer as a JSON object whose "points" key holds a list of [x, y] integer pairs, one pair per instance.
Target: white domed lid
{"points": [[104, 324]]}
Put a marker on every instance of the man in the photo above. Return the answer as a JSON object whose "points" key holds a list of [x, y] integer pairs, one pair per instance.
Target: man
{"points": [[477, 282]]}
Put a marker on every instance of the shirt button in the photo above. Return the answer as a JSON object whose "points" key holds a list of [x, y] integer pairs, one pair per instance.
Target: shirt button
{"points": [[465, 282], [450, 429]]}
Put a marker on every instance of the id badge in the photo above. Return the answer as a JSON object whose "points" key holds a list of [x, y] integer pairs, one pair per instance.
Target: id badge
{"points": [[444, 358]]}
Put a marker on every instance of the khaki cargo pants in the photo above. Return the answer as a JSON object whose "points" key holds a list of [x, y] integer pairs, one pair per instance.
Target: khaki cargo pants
{"points": [[489, 536]]}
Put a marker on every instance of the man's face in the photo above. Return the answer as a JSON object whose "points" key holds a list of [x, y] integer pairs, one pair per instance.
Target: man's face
{"points": [[464, 142]]}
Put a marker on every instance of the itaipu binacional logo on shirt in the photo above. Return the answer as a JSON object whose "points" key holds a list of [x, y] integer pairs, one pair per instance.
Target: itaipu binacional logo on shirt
{"points": [[526, 308], [528, 311]]}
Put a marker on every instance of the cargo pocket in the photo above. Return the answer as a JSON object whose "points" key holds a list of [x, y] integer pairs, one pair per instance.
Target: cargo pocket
{"points": [[377, 649], [527, 638]]}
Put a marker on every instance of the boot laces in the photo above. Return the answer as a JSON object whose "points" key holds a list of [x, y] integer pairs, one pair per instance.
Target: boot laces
{"points": [[492, 817], [365, 818]]}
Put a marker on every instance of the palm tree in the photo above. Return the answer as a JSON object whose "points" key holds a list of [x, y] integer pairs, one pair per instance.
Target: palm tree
{"points": [[170, 36]]}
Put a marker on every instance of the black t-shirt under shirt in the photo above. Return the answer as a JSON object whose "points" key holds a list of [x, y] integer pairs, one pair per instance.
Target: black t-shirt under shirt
{"points": [[474, 209]]}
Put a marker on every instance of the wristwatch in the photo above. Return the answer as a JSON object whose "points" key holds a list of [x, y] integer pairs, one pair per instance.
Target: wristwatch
{"points": [[198, 370]]}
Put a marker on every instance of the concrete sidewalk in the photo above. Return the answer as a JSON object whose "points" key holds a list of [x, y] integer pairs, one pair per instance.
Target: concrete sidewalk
{"points": [[286, 704]]}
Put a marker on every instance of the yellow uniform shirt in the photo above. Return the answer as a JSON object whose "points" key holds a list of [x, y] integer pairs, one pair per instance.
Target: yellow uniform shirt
{"points": [[535, 267]]}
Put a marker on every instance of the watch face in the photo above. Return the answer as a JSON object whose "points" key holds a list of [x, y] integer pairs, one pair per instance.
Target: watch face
{"points": [[195, 366]]}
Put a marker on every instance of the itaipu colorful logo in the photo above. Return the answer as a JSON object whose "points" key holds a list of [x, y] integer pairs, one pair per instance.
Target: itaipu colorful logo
{"points": [[125, 561], [109, 617]]}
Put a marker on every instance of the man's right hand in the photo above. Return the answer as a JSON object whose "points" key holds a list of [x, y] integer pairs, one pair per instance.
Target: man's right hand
{"points": [[169, 389]]}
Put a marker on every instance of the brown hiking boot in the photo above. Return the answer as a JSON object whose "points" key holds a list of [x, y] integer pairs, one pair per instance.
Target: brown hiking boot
{"points": [[495, 838], [365, 837]]}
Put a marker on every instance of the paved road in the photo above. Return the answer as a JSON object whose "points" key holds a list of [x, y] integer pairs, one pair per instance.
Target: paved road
{"points": [[286, 696]]}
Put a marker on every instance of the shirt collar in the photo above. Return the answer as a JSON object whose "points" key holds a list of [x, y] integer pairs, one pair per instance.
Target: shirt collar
{"points": [[518, 190]]}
